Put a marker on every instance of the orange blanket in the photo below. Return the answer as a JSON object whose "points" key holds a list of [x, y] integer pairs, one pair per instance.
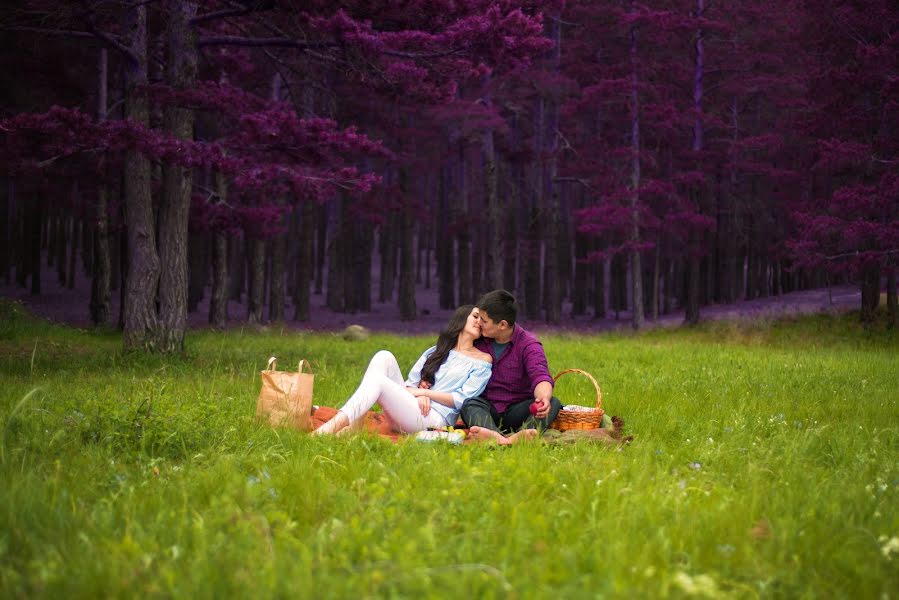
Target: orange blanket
{"points": [[375, 422]]}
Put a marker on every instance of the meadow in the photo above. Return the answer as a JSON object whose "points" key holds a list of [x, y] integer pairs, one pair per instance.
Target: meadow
{"points": [[763, 464]]}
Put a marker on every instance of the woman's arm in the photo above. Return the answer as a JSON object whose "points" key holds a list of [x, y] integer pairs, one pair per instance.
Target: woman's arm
{"points": [[444, 398], [414, 377]]}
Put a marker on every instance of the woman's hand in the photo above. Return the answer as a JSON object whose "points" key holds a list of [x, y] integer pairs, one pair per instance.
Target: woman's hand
{"points": [[424, 403]]}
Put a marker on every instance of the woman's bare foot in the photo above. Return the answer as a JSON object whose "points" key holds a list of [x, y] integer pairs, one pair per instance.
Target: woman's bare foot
{"points": [[523, 436], [333, 425], [482, 434]]}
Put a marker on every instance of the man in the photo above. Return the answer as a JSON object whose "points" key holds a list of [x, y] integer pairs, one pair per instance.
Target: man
{"points": [[520, 377]]}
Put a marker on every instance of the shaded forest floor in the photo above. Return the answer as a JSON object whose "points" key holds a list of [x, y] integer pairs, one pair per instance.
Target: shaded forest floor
{"points": [[70, 306]]}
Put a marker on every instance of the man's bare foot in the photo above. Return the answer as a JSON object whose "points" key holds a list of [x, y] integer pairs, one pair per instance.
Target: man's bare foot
{"points": [[523, 436], [333, 425], [482, 434]]}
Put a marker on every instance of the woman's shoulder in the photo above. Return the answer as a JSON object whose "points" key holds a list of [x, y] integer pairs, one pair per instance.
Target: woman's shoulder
{"points": [[485, 357], [481, 356]]}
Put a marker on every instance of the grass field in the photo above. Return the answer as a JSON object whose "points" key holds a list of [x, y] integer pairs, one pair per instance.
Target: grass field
{"points": [[765, 463]]}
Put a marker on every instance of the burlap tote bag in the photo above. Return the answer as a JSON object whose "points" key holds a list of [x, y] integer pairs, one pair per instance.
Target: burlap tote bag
{"points": [[286, 398]]}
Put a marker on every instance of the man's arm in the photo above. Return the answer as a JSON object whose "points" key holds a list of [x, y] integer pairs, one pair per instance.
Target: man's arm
{"points": [[538, 372], [542, 395]]}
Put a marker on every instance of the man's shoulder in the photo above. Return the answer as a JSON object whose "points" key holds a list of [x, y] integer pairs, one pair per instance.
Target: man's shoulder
{"points": [[524, 337]]}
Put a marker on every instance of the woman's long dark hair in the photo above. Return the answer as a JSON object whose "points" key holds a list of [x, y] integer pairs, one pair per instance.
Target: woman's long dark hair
{"points": [[446, 341]]}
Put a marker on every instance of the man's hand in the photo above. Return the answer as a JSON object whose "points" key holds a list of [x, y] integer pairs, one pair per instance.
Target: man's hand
{"points": [[543, 406], [424, 403], [542, 395]]}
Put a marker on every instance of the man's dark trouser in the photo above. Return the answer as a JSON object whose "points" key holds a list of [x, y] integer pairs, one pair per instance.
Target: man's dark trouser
{"points": [[479, 411]]}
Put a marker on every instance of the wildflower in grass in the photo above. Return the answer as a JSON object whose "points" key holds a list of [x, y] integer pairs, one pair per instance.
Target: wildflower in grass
{"points": [[700, 585], [726, 549], [889, 546], [695, 465]]}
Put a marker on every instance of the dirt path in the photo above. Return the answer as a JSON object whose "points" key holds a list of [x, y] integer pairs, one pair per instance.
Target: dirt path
{"points": [[62, 305]]}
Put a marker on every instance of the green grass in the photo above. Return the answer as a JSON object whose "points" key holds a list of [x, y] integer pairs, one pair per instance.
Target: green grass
{"points": [[764, 464]]}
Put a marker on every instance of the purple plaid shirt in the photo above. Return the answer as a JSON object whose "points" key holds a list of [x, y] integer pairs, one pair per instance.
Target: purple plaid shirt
{"points": [[517, 372]]}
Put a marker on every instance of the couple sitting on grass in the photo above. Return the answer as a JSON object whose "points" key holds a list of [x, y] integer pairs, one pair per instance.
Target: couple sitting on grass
{"points": [[484, 367]]}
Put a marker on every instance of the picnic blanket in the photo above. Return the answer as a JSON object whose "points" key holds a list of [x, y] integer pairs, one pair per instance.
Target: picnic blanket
{"points": [[378, 423], [374, 422]]}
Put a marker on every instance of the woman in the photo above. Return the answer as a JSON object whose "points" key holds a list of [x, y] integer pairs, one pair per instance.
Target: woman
{"points": [[441, 380]]}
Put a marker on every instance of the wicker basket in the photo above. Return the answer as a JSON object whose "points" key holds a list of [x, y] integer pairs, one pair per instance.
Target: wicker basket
{"points": [[576, 419]]}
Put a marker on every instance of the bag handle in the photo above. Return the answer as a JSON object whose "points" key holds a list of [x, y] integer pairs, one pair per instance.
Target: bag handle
{"points": [[273, 365]]}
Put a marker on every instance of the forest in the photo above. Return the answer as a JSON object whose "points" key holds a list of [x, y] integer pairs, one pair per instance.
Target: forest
{"points": [[602, 156]]}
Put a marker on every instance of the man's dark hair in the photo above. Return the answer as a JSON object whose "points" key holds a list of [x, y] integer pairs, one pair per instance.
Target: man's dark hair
{"points": [[499, 305]]}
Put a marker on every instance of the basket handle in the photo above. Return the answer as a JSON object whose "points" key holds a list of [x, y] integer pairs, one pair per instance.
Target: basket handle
{"points": [[306, 363], [272, 364], [588, 376]]}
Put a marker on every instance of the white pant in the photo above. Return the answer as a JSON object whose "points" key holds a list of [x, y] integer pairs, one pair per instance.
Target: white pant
{"points": [[383, 384]]}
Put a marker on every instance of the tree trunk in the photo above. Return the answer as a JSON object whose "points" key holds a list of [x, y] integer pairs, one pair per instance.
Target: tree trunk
{"points": [[656, 276], [139, 317], [218, 301], [406, 295], [5, 227], [599, 287], [198, 247], [691, 316], [550, 189], [363, 243], [35, 217], [305, 268], [870, 286], [177, 182], [120, 269], [427, 236], [636, 264], [477, 257], [618, 285], [446, 259], [552, 277], [529, 263], [510, 243], [387, 244], [334, 297], [50, 232], [321, 246], [77, 227], [493, 248], [276, 278], [101, 269], [238, 248], [256, 276], [460, 220], [18, 244], [691, 303], [581, 271], [60, 246], [891, 296]]}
